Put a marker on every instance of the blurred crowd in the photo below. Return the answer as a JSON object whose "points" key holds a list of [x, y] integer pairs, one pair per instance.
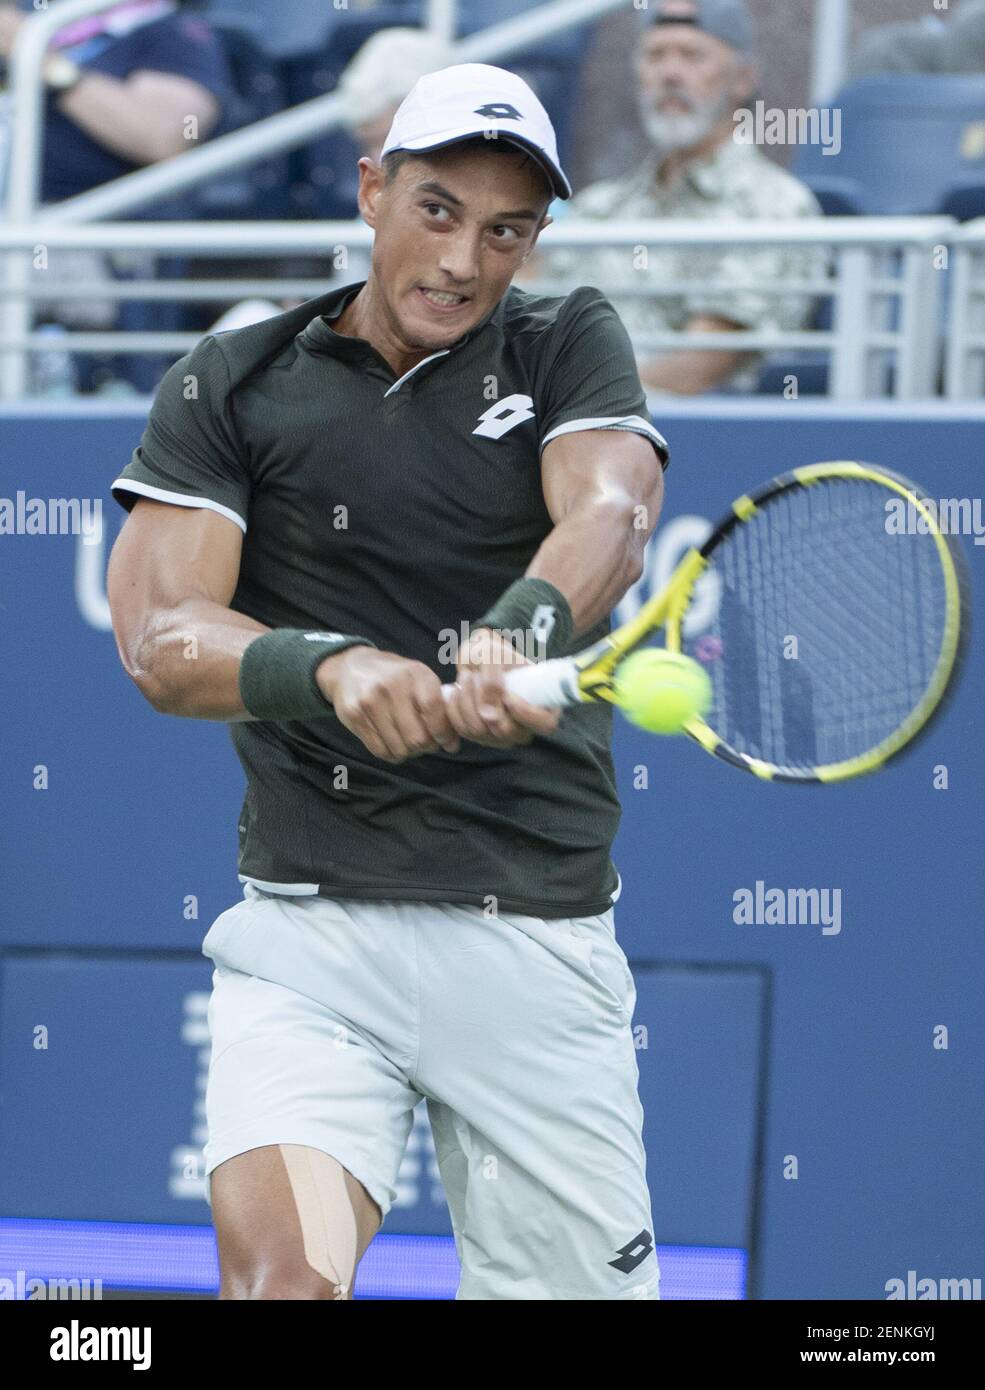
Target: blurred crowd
{"points": [[147, 80], [950, 40]]}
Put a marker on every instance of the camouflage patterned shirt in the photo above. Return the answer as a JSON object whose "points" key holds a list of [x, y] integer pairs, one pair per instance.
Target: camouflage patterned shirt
{"points": [[737, 182]]}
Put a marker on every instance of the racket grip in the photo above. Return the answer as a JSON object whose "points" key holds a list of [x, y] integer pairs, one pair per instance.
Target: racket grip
{"points": [[551, 684]]}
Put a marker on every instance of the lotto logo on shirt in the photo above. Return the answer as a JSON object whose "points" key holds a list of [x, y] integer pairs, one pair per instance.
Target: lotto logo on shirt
{"points": [[504, 416]]}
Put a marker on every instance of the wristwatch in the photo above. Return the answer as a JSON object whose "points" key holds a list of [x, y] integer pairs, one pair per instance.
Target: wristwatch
{"points": [[61, 74]]}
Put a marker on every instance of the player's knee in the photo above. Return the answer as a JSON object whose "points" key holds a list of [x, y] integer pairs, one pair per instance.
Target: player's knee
{"points": [[294, 1280]]}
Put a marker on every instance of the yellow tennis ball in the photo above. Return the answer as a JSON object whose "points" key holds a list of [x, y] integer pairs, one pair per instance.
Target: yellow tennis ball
{"points": [[660, 690]]}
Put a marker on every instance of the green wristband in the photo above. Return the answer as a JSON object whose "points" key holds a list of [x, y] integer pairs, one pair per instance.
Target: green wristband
{"points": [[277, 672], [535, 616]]}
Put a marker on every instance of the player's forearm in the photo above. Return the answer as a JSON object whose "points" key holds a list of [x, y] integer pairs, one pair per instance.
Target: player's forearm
{"points": [[595, 554], [188, 662]]}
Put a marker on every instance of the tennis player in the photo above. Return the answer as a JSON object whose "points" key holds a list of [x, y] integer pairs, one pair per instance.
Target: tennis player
{"points": [[347, 523]]}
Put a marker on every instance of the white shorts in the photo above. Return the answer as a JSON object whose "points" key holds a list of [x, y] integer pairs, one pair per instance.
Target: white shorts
{"points": [[331, 1018]]}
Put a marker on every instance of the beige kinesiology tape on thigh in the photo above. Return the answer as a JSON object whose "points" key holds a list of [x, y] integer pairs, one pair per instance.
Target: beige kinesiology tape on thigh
{"points": [[328, 1222]]}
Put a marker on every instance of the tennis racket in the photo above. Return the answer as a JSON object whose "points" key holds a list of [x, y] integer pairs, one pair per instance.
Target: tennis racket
{"points": [[830, 611]]}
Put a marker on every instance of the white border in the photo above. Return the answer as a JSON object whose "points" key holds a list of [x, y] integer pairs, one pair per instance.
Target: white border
{"points": [[293, 890], [179, 499], [636, 423]]}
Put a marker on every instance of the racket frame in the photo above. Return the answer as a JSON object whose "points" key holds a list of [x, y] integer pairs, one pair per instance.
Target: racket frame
{"points": [[590, 674]]}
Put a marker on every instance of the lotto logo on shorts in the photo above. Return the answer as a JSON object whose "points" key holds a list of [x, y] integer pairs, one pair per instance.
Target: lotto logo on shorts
{"points": [[633, 1253]]}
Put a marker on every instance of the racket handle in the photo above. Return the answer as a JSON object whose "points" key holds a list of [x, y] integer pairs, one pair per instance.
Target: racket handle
{"points": [[551, 684]]}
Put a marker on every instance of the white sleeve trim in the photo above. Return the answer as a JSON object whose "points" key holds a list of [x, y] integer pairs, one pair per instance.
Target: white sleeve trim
{"points": [[635, 423], [179, 499], [287, 890]]}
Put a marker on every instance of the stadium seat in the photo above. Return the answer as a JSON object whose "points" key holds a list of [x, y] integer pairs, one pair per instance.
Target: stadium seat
{"points": [[323, 174], [257, 190], [965, 200], [838, 197], [325, 180], [906, 139], [811, 369], [293, 28], [562, 48]]}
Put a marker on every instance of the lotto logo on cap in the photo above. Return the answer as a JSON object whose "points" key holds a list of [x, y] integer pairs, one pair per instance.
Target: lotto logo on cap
{"points": [[472, 99]]}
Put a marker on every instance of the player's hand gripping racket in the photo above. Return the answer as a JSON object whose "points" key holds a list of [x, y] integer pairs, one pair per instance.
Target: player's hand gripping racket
{"points": [[829, 610]]}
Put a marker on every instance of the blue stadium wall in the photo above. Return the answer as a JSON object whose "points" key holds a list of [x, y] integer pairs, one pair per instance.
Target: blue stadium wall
{"points": [[764, 1051]]}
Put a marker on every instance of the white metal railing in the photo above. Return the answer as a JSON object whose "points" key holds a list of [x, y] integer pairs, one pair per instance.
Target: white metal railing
{"points": [[886, 285], [965, 374], [441, 17], [829, 59], [26, 95]]}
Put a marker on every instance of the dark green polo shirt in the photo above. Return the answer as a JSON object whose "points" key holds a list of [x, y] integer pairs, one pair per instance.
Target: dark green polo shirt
{"points": [[399, 510]]}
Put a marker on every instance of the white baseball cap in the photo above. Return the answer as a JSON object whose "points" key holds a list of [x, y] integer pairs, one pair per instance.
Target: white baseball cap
{"points": [[472, 99]]}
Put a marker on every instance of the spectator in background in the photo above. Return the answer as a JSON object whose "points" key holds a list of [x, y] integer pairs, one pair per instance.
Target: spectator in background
{"points": [[931, 44], [379, 77], [918, 45], [372, 86], [694, 68], [138, 83]]}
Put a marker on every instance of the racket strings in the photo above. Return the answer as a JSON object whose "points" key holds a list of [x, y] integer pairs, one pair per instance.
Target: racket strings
{"points": [[829, 627]]}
